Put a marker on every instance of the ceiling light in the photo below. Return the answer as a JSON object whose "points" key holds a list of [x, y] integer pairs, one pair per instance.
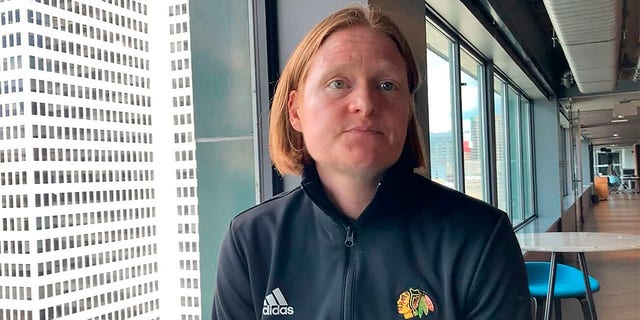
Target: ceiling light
{"points": [[619, 120], [615, 135], [620, 116]]}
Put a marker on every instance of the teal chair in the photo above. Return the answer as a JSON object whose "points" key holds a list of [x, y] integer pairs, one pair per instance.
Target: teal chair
{"points": [[569, 284]]}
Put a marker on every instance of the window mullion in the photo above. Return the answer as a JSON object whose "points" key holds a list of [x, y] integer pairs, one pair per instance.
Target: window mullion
{"points": [[456, 105]]}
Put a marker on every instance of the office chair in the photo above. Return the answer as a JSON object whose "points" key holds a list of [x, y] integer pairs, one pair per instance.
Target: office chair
{"points": [[569, 284]]}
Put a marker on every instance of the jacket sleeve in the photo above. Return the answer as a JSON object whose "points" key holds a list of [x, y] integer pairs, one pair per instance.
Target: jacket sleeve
{"points": [[499, 289], [232, 295]]}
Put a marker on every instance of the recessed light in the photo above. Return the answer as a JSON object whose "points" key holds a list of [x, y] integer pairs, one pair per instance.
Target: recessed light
{"points": [[619, 120], [620, 116], [615, 134]]}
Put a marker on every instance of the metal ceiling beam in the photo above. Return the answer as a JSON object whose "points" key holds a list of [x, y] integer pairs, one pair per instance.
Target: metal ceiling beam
{"points": [[521, 30], [622, 87]]}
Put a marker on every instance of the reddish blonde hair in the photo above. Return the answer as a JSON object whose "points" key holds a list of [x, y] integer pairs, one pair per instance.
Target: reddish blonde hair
{"points": [[286, 145]]}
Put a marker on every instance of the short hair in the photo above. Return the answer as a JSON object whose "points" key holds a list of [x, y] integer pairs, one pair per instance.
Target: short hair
{"points": [[286, 145]]}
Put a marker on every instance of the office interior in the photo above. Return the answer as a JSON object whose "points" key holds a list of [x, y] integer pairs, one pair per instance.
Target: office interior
{"points": [[533, 109]]}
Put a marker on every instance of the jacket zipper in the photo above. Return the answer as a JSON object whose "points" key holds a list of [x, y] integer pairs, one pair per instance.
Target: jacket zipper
{"points": [[348, 242], [349, 274]]}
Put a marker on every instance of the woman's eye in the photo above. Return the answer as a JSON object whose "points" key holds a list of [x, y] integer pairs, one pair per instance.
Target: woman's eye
{"points": [[336, 84], [388, 86]]}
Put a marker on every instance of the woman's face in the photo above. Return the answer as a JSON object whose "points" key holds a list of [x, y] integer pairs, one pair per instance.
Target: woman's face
{"points": [[403, 304], [353, 108]]}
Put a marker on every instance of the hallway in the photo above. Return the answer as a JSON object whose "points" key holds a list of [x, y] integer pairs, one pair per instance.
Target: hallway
{"points": [[618, 271]]}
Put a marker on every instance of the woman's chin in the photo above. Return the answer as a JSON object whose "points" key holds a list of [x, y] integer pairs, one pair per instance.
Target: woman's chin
{"points": [[358, 162], [366, 166]]}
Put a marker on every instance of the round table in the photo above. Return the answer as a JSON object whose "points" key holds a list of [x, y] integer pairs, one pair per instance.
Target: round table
{"points": [[578, 242]]}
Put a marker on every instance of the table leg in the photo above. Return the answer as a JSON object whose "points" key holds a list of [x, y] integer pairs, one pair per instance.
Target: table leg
{"points": [[552, 284], [583, 266]]}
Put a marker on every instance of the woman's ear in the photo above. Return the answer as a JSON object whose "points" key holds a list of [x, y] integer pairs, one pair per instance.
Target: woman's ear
{"points": [[292, 109]]}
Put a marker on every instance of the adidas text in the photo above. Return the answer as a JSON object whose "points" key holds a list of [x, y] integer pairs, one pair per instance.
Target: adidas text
{"points": [[276, 310]]}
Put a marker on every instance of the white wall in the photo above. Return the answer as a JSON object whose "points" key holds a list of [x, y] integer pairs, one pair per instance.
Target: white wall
{"points": [[546, 135]]}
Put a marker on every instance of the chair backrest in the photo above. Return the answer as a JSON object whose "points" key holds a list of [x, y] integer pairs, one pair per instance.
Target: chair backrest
{"points": [[614, 180]]}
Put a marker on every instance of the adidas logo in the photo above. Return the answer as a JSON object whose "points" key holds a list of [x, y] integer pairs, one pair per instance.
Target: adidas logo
{"points": [[276, 305]]}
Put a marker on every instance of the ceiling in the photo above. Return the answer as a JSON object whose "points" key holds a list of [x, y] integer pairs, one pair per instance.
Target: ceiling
{"points": [[598, 98], [596, 113], [584, 53]]}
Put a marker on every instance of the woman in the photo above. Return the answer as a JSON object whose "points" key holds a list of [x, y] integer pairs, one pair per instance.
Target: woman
{"points": [[363, 231]]}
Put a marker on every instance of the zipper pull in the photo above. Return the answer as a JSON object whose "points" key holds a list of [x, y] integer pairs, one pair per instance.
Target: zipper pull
{"points": [[348, 242]]}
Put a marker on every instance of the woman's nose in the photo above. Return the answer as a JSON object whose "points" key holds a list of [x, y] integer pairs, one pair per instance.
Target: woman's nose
{"points": [[363, 100]]}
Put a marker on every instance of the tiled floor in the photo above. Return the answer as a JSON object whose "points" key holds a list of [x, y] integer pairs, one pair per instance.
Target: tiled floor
{"points": [[618, 272]]}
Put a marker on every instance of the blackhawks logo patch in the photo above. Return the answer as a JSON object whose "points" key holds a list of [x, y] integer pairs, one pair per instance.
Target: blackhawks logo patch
{"points": [[414, 303]]}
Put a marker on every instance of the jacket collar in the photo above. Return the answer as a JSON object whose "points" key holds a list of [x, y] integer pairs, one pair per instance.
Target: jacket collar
{"points": [[312, 186]]}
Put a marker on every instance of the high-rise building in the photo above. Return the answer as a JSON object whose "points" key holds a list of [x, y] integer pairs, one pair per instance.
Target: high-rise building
{"points": [[442, 158], [97, 169], [172, 99]]}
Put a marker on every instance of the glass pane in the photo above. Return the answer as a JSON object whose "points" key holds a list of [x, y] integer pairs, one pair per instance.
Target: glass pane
{"points": [[602, 162], [226, 188], [224, 121], [222, 73], [527, 166], [472, 124], [515, 161], [501, 128], [440, 92]]}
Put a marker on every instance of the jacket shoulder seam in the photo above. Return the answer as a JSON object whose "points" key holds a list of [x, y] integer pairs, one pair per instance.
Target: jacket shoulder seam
{"points": [[272, 199]]}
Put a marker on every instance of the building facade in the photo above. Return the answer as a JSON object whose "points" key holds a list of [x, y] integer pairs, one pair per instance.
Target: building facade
{"points": [[97, 181]]}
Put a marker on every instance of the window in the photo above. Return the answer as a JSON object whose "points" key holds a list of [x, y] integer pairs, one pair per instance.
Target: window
{"points": [[441, 106], [460, 153], [527, 157], [513, 152], [501, 129], [473, 125]]}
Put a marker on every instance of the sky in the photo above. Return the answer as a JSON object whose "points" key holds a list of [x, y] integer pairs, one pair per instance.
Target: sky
{"points": [[439, 82]]}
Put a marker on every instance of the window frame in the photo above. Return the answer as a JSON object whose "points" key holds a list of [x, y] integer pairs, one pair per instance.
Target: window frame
{"points": [[524, 134]]}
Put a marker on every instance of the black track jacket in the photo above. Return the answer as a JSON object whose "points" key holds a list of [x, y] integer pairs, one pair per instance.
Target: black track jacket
{"points": [[418, 251]]}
